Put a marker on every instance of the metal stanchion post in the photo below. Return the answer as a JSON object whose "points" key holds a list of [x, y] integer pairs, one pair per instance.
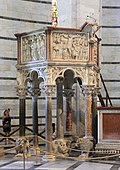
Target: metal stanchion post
{"points": [[36, 143], [24, 154], [36, 151]]}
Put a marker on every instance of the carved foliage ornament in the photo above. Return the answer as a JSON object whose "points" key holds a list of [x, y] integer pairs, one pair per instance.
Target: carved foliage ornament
{"points": [[34, 47], [70, 46]]}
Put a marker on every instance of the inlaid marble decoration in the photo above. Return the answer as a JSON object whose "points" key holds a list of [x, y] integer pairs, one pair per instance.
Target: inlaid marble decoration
{"points": [[95, 53], [33, 47], [70, 46]]}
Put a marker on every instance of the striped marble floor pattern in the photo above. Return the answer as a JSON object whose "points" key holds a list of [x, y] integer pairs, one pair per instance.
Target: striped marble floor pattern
{"points": [[62, 164]]}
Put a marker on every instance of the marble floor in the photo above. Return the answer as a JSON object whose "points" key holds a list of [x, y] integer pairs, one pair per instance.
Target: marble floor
{"points": [[10, 162]]}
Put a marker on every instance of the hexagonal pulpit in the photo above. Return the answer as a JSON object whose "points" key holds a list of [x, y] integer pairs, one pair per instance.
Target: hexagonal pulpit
{"points": [[51, 61]]}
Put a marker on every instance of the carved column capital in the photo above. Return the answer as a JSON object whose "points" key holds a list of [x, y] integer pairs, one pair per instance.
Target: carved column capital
{"points": [[49, 90], [87, 90], [68, 93], [96, 91], [34, 92], [21, 92]]}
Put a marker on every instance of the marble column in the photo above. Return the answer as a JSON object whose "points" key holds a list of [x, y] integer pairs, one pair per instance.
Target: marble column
{"points": [[68, 93], [22, 110], [48, 123], [22, 104], [88, 113], [77, 110], [49, 89], [35, 93], [94, 113], [60, 115], [35, 114], [94, 116]]}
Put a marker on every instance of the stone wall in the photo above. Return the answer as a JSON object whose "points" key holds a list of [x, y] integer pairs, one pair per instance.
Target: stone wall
{"points": [[110, 57], [74, 13]]}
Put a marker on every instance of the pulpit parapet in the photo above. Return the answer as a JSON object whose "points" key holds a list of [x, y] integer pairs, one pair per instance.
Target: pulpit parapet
{"points": [[57, 45]]}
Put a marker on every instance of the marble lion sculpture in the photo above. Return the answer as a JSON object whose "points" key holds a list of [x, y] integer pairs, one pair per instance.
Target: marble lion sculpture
{"points": [[59, 146], [22, 145]]}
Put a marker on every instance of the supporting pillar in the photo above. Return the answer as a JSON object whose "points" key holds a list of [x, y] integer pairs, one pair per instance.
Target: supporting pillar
{"points": [[88, 113], [48, 129], [94, 114], [68, 93], [69, 114], [77, 110], [48, 124], [22, 109], [22, 104], [60, 116], [35, 114], [35, 93]]}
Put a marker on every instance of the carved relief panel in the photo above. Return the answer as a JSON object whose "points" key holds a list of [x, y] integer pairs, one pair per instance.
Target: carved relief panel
{"points": [[33, 47], [70, 46]]}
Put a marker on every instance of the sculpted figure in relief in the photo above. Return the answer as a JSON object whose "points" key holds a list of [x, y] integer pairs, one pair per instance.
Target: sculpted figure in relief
{"points": [[25, 50], [33, 47], [70, 46]]}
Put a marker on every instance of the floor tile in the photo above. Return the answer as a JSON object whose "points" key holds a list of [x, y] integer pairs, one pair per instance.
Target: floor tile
{"points": [[93, 166], [18, 165]]}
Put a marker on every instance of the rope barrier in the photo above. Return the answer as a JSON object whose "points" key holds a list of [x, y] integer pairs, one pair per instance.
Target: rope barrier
{"points": [[63, 155]]}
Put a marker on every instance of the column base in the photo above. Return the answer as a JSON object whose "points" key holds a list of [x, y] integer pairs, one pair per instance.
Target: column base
{"points": [[48, 158], [68, 134], [36, 150], [88, 137]]}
